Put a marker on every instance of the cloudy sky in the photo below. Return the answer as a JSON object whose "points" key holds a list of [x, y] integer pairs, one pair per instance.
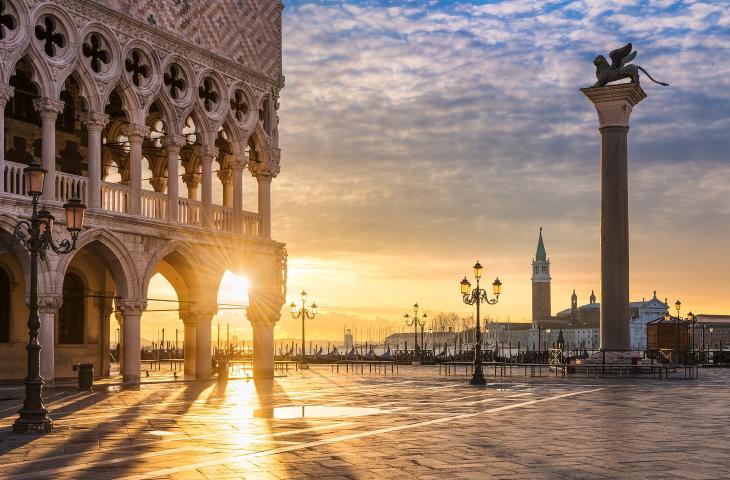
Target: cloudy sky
{"points": [[420, 137]]}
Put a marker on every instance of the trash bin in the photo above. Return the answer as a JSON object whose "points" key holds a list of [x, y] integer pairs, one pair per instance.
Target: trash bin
{"points": [[222, 370], [86, 375]]}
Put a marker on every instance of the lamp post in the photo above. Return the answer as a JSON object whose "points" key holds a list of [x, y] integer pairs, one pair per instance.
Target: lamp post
{"points": [[415, 322], [478, 296], [35, 236], [304, 313]]}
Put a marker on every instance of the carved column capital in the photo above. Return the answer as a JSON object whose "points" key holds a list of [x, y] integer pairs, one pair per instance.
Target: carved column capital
{"points": [[206, 153], [136, 133], [159, 183], [226, 176], [6, 93], [238, 163], [48, 107], [49, 303], [614, 103], [173, 143], [132, 307], [94, 121], [198, 313], [192, 180]]}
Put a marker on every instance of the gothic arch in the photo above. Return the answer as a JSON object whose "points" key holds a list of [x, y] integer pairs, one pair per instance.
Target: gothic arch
{"points": [[116, 257], [16, 42], [22, 257]]}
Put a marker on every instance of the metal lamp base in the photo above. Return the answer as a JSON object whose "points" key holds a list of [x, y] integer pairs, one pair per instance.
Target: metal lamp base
{"points": [[477, 380], [40, 425]]}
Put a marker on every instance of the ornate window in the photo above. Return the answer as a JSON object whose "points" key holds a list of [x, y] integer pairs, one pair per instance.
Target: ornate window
{"points": [[72, 314], [208, 94], [137, 67], [4, 306], [50, 37], [239, 106], [174, 81], [8, 22], [94, 50]]}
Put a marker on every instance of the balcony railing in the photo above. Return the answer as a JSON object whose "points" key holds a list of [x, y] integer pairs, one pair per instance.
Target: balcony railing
{"points": [[188, 211], [115, 198], [154, 205], [68, 185], [13, 178]]}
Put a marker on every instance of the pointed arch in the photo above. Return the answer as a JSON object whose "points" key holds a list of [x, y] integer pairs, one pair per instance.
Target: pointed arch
{"points": [[116, 257], [22, 257]]}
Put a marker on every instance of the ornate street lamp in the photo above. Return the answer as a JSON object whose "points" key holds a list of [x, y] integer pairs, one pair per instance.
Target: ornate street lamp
{"points": [[304, 313], [478, 296], [416, 322], [35, 236]]}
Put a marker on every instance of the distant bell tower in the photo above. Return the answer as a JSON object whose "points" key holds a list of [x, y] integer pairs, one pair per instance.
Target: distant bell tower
{"points": [[593, 297], [540, 283], [574, 306]]}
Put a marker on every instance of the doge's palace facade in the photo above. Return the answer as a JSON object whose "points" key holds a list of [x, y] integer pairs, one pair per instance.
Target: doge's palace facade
{"points": [[147, 110]]}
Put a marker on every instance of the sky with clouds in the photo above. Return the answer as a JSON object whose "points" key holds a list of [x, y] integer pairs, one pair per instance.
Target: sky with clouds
{"points": [[418, 137]]}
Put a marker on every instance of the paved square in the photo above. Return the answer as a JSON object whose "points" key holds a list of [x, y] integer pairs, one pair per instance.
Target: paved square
{"points": [[414, 424]]}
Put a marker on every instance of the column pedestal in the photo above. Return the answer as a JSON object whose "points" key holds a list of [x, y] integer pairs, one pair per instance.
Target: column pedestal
{"points": [[614, 105]]}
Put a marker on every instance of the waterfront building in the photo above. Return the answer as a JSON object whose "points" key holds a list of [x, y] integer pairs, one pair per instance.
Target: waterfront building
{"points": [[152, 113]]}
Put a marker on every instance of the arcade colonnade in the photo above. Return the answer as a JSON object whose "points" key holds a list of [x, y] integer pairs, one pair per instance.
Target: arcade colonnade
{"points": [[124, 116]]}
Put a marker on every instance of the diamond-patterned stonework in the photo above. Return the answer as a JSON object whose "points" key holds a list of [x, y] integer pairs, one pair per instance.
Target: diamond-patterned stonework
{"points": [[247, 32]]}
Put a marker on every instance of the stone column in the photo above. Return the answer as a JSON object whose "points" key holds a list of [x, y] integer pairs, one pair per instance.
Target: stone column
{"points": [[6, 93], [49, 110], [132, 348], [48, 306], [614, 105], [203, 318], [264, 184], [266, 298], [263, 348], [192, 180], [237, 166], [136, 135], [95, 123], [226, 178], [189, 350], [206, 154], [173, 144]]}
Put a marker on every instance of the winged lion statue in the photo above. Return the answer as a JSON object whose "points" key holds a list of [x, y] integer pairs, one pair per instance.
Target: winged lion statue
{"points": [[619, 68]]}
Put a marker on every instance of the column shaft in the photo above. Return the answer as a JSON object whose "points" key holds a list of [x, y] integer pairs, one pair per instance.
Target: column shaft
{"points": [[135, 134], [95, 123], [264, 184], [263, 350], [203, 348], [615, 314], [238, 197], [6, 93], [132, 345], [207, 154], [190, 350], [173, 143], [49, 110]]}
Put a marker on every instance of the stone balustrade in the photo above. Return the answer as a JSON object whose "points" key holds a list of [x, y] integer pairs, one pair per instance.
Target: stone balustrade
{"points": [[115, 197]]}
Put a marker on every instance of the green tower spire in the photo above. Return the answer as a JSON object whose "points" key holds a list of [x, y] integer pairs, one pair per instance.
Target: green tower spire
{"points": [[540, 254]]}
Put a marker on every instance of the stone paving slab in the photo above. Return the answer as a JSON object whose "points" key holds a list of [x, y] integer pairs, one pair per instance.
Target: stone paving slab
{"points": [[415, 424]]}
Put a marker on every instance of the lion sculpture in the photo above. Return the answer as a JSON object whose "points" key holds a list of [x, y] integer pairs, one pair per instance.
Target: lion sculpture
{"points": [[619, 68]]}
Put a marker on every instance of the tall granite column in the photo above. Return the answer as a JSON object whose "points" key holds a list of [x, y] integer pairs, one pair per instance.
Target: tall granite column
{"points": [[6, 93], [614, 104]]}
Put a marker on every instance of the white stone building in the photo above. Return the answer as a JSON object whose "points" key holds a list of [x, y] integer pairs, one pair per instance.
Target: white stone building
{"points": [[141, 108]]}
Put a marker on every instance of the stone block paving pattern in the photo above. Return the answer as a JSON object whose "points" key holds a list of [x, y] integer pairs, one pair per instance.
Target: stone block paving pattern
{"points": [[414, 424]]}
